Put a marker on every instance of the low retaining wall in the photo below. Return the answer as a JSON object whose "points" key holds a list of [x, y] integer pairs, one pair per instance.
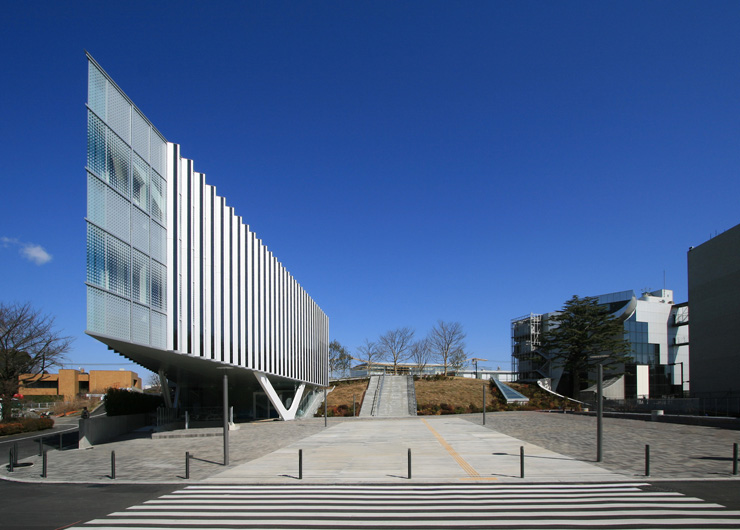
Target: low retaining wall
{"points": [[102, 429], [704, 421]]}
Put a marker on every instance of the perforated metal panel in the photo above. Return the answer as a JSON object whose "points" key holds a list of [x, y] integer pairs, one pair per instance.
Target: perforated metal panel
{"points": [[119, 114], [140, 135], [118, 266], [95, 310], [158, 286], [140, 278], [158, 239], [158, 192], [158, 330], [158, 153], [97, 86], [140, 324], [96, 191], [118, 163], [96, 146], [140, 230], [117, 317], [95, 255], [140, 183], [117, 215]]}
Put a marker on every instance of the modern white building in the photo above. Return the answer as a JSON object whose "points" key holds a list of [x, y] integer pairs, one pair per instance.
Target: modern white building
{"points": [[178, 283], [656, 328]]}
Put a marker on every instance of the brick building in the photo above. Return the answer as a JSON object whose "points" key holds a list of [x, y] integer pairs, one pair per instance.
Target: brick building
{"points": [[70, 383]]}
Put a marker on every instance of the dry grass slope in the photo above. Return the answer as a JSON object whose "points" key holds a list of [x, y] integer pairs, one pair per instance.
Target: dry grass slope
{"points": [[450, 395]]}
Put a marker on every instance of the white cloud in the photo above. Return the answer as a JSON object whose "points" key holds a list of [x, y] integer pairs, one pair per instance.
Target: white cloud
{"points": [[32, 252], [35, 253]]}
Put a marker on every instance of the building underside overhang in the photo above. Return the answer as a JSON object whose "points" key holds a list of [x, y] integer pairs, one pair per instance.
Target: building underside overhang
{"points": [[186, 370]]}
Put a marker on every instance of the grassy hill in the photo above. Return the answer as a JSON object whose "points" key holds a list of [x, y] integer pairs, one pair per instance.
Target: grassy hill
{"points": [[444, 395]]}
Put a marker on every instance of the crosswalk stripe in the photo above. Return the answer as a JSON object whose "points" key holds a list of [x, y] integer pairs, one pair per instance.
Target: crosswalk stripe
{"points": [[292, 502], [525, 507], [384, 508]]}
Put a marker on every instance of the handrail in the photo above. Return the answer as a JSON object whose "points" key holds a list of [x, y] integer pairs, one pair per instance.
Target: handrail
{"points": [[376, 399]]}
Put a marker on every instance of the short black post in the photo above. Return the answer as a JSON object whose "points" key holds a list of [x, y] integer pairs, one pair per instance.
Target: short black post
{"points": [[353, 405], [43, 465], [521, 461], [734, 459], [113, 464], [10, 460], [15, 453], [409, 464], [647, 460], [41, 445], [187, 465], [300, 464]]}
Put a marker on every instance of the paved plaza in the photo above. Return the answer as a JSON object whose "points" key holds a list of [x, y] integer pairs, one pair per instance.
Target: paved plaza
{"points": [[450, 449]]}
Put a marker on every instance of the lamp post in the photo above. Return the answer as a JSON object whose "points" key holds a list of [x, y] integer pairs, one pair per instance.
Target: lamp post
{"points": [[226, 412]]}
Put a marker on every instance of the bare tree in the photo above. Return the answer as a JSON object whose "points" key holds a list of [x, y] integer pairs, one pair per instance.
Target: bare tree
{"points": [[420, 355], [368, 353], [339, 359], [28, 345], [458, 360], [395, 344], [447, 339]]}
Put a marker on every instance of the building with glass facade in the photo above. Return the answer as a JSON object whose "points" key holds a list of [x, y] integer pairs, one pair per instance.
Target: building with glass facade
{"points": [[656, 328], [178, 283]]}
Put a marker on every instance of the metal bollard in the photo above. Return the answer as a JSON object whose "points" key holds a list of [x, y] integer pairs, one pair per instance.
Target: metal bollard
{"points": [[734, 459], [113, 464], [409, 464], [43, 465], [647, 460], [521, 461], [187, 465], [353, 405], [10, 460], [41, 446], [187, 420], [300, 464]]}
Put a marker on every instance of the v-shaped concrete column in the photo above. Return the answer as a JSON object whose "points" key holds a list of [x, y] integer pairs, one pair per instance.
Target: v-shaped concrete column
{"points": [[285, 414]]}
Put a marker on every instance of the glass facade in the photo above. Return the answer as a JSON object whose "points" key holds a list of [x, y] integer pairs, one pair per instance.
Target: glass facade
{"points": [[126, 231]]}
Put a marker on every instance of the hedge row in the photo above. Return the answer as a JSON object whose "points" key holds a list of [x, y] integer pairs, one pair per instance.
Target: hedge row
{"points": [[26, 425], [120, 402]]}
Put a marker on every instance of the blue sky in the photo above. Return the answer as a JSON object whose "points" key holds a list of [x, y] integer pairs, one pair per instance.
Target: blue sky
{"points": [[406, 161]]}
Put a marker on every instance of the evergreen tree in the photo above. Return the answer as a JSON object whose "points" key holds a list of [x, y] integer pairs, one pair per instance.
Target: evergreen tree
{"points": [[583, 335]]}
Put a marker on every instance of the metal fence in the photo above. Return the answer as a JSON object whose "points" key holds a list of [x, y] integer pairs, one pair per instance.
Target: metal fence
{"points": [[727, 406]]}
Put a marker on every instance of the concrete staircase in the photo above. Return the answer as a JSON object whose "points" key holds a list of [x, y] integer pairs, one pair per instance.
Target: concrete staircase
{"points": [[389, 396]]}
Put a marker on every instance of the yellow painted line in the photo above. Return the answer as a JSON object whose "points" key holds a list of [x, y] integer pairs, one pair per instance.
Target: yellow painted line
{"points": [[478, 478], [461, 462]]}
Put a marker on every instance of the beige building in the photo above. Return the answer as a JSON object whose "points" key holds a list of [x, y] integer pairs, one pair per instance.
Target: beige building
{"points": [[70, 383]]}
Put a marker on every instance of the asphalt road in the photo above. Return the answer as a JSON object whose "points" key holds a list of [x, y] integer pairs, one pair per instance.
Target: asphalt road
{"points": [[57, 506], [28, 445]]}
